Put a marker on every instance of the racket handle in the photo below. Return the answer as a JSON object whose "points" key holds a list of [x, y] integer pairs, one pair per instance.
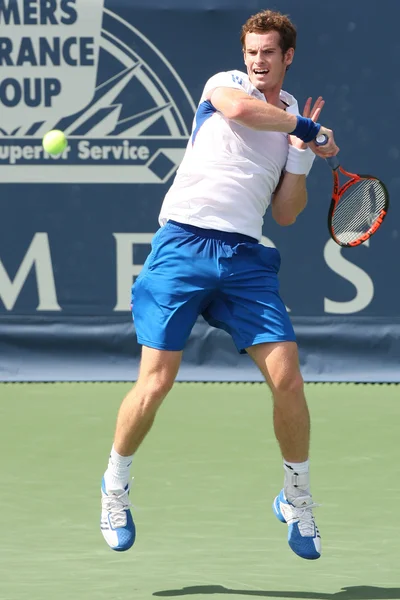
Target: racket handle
{"points": [[332, 161]]}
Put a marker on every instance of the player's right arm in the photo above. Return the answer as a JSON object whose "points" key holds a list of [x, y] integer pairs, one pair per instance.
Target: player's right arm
{"points": [[253, 113]]}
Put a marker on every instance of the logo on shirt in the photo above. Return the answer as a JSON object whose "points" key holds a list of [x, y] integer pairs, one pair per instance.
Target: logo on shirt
{"points": [[237, 79], [83, 69]]}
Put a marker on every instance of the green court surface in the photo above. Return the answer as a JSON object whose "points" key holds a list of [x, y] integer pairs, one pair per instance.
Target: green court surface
{"points": [[205, 479]]}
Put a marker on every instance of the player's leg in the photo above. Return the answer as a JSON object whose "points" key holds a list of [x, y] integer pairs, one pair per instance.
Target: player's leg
{"points": [[279, 364], [169, 294], [157, 373], [251, 310]]}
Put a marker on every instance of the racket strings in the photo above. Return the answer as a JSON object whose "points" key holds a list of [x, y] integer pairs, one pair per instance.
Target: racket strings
{"points": [[358, 209]]}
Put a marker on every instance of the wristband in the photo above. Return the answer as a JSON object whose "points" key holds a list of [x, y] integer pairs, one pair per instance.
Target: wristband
{"points": [[306, 129], [299, 162]]}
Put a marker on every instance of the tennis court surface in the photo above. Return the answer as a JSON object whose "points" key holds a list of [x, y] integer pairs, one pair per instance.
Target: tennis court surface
{"points": [[205, 480]]}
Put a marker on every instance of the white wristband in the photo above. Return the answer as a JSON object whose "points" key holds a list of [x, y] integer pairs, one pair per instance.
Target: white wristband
{"points": [[299, 162]]}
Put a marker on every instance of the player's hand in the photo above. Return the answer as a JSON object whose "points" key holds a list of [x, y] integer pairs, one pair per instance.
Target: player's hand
{"points": [[311, 113], [329, 149]]}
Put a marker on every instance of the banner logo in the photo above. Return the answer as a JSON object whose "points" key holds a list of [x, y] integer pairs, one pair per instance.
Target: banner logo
{"points": [[85, 70]]}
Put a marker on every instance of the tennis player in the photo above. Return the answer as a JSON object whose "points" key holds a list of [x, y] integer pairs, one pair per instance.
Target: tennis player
{"points": [[249, 149]]}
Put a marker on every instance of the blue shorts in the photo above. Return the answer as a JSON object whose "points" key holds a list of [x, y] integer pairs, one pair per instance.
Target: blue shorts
{"points": [[228, 278]]}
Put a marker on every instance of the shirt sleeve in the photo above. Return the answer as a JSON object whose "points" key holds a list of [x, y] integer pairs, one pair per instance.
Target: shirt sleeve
{"points": [[231, 79]]}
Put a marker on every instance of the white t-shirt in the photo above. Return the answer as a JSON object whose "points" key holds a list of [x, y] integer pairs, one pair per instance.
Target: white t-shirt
{"points": [[229, 172]]}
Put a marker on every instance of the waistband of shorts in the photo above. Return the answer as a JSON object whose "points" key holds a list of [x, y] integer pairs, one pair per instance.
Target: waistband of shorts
{"points": [[230, 237]]}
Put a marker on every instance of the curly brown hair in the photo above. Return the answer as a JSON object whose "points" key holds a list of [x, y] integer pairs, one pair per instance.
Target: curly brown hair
{"points": [[269, 20]]}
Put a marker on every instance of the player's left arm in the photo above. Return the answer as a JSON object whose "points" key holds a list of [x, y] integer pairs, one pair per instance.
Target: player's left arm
{"points": [[290, 197]]}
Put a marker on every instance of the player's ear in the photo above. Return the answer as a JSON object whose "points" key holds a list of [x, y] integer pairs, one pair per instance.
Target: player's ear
{"points": [[288, 59]]}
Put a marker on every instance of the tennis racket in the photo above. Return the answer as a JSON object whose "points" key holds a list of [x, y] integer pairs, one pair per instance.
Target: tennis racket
{"points": [[358, 207]]}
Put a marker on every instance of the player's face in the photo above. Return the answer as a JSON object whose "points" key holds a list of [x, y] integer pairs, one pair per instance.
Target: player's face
{"points": [[266, 64]]}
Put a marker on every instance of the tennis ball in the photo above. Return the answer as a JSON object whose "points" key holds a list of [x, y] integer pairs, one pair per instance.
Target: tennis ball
{"points": [[54, 142]]}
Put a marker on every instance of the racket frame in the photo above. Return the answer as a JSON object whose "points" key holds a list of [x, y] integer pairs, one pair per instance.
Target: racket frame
{"points": [[338, 192]]}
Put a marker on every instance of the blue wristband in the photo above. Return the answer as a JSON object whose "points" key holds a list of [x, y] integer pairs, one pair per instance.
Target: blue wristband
{"points": [[306, 129]]}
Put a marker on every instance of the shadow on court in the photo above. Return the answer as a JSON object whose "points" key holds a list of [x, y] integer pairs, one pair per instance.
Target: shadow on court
{"points": [[361, 592]]}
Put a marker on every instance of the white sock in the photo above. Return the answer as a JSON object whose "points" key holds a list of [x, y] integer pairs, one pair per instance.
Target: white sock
{"points": [[297, 479], [117, 475]]}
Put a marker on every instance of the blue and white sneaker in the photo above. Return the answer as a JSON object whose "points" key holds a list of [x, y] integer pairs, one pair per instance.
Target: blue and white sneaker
{"points": [[303, 535], [116, 522]]}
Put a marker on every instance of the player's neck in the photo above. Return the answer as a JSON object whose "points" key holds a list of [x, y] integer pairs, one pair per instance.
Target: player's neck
{"points": [[272, 96], [273, 99]]}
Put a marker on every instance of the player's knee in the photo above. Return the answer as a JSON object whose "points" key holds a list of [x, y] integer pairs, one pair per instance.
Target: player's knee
{"points": [[153, 390], [289, 383], [160, 385]]}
